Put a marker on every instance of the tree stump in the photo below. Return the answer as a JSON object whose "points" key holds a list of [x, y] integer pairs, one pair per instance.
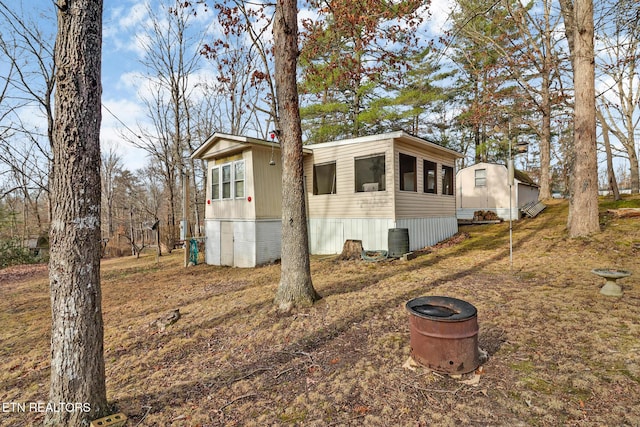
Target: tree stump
{"points": [[352, 249]]}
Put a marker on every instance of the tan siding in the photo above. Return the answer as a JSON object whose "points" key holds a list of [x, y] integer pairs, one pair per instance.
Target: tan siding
{"points": [[419, 204], [221, 147], [347, 203], [232, 209], [268, 183]]}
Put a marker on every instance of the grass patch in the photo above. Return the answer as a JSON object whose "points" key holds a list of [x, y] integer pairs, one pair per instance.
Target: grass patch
{"points": [[559, 352]]}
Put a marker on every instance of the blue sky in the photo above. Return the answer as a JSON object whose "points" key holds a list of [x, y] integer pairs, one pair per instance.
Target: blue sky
{"points": [[123, 29]]}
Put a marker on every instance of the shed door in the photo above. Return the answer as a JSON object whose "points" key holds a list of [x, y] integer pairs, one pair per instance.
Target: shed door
{"points": [[226, 243]]}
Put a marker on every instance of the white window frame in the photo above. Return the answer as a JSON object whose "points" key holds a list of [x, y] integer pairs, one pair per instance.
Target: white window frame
{"points": [[215, 171], [229, 182], [233, 182], [236, 180], [480, 178]]}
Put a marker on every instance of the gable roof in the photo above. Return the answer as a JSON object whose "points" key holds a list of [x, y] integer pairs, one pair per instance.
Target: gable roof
{"points": [[524, 177], [240, 141]]}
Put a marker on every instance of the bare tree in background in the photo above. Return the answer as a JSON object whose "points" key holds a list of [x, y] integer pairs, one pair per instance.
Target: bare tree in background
{"points": [[612, 183], [170, 60], [251, 91], [77, 355], [111, 167], [296, 287], [583, 205], [26, 97], [619, 105]]}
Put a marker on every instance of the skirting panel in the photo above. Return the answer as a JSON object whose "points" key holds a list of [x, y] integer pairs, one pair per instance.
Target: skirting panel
{"points": [[327, 236], [428, 231], [245, 244]]}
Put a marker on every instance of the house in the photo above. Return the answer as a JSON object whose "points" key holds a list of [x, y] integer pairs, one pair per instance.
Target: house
{"points": [[485, 186], [360, 188], [356, 189], [243, 200]]}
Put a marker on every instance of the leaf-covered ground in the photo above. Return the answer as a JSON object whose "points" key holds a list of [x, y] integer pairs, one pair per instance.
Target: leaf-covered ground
{"points": [[560, 353]]}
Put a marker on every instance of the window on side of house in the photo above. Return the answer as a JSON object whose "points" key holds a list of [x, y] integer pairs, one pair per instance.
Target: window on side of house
{"points": [[481, 177], [408, 181], [238, 179], [430, 178], [370, 173], [226, 181], [324, 178], [447, 180], [215, 183]]}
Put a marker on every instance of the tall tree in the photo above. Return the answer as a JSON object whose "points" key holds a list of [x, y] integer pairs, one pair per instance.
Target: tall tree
{"points": [[111, 167], [296, 287], [77, 357], [484, 39], [583, 205], [419, 100], [352, 52], [612, 183], [171, 58], [619, 64], [27, 92], [243, 58], [535, 66]]}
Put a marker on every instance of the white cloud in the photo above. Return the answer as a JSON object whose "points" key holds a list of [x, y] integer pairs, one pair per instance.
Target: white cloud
{"points": [[136, 16], [120, 120], [439, 11]]}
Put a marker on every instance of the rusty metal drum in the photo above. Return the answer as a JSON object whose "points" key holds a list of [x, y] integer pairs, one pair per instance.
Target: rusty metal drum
{"points": [[444, 334]]}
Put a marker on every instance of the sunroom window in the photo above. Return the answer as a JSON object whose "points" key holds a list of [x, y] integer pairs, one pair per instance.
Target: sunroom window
{"points": [[370, 173], [430, 179], [324, 178], [407, 173]]}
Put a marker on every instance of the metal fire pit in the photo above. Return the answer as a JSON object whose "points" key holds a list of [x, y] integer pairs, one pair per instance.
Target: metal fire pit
{"points": [[444, 334]]}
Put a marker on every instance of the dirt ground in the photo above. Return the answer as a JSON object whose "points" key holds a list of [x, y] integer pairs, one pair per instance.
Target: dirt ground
{"points": [[560, 353]]}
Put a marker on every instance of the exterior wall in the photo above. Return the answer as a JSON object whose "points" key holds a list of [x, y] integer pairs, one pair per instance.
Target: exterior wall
{"points": [[253, 242], [268, 241], [347, 203], [212, 241], [494, 196], [267, 183], [527, 194], [327, 235], [232, 208], [244, 243], [418, 204]]}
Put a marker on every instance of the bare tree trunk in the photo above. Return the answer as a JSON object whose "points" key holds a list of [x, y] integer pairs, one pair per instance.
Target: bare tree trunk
{"points": [[611, 176], [545, 140], [77, 359], [296, 288], [583, 207]]}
